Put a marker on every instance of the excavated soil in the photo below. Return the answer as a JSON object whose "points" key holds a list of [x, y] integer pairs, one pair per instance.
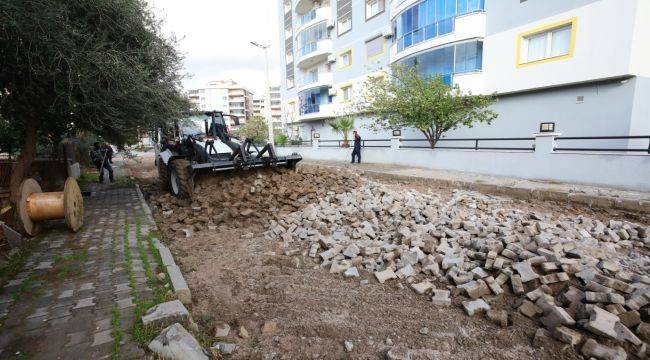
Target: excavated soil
{"points": [[240, 277]]}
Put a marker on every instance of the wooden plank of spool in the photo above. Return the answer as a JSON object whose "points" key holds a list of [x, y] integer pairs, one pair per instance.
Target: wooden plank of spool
{"points": [[73, 205]]}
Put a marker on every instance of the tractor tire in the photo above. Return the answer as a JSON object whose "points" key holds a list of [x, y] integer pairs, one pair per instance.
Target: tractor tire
{"points": [[163, 176], [181, 179]]}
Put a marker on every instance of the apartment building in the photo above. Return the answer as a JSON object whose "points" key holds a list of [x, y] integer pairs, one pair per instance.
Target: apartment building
{"points": [[583, 65], [259, 106], [224, 95]]}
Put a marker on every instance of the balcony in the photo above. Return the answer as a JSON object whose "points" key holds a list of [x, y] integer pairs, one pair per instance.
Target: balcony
{"points": [[314, 53], [303, 6], [461, 28], [313, 17], [322, 79], [309, 112]]}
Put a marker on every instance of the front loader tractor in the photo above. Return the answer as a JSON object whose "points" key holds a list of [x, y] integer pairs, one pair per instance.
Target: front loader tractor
{"points": [[189, 152]]}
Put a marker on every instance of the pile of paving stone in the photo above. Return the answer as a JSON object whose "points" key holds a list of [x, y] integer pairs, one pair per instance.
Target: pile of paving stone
{"points": [[247, 197], [583, 280]]}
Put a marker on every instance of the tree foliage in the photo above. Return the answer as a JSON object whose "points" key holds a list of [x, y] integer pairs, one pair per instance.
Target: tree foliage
{"points": [[255, 129], [405, 99], [343, 125], [96, 65]]}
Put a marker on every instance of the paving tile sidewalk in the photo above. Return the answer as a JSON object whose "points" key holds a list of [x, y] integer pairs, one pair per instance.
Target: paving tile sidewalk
{"points": [[61, 304], [596, 196]]}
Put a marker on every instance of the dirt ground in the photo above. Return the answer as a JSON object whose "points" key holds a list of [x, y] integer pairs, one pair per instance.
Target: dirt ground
{"points": [[238, 276]]}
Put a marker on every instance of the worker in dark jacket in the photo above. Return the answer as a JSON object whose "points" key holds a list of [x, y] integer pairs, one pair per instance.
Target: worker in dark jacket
{"points": [[356, 151], [109, 152], [99, 157]]}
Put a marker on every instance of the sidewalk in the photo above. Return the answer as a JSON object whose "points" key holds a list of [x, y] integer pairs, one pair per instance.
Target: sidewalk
{"points": [[594, 196], [75, 293]]}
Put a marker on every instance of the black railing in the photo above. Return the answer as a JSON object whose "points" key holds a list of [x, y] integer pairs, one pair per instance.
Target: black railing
{"points": [[604, 149], [372, 143], [475, 144], [330, 143]]}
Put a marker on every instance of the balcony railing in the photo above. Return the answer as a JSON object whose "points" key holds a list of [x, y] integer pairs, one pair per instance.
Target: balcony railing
{"points": [[309, 48], [309, 109], [308, 79], [305, 18]]}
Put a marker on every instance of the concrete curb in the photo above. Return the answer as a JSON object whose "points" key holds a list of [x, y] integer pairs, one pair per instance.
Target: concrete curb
{"points": [[600, 202], [179, 284]]}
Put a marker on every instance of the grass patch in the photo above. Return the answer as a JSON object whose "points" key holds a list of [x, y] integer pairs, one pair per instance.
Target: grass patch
{"points": [[117, 333], [87, 177], [23, 288], [123, 182], [141, 333], [71, 264], [17, 262]]}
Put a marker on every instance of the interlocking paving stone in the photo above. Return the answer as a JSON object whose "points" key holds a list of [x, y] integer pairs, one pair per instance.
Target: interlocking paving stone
{"points": [[66, 294], [102, 337], [76, 338], [86, 286], [70, 318], [44, 265], [125, 303], [82, 303]]}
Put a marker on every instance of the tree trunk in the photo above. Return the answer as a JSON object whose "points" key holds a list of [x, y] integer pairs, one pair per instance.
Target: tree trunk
{"points": [[25, 159], [430, 138]]}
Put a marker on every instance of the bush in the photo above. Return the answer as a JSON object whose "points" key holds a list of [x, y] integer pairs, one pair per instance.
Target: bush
{"points": [[281, 139], [296, 141]]}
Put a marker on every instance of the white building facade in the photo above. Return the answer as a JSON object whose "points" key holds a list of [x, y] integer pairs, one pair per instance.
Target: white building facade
{"points": [[583, 65], [259, 107], [224, 95]]}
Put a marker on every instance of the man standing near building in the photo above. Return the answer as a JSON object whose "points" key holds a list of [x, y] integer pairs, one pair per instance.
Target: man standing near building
{"points": [[98, 156], [356, 151]]}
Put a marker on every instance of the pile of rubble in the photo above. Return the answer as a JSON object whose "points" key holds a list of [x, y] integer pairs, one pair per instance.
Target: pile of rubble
{"points": [[249, 197], [584, 280]]}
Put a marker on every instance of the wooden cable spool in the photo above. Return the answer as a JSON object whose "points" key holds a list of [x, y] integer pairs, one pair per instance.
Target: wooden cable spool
{"points": [[35, 206]]}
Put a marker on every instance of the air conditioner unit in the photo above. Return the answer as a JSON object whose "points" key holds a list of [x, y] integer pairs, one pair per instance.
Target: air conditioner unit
{"points": [[330, 24], [332, 91], [387, 33], [331, 59]]}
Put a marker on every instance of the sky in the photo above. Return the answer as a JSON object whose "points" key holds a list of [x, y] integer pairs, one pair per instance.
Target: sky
{"points": [[215, 35]]}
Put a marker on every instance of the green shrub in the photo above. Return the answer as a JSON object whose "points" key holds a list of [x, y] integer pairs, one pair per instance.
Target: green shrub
{"points": [[281, 139]]}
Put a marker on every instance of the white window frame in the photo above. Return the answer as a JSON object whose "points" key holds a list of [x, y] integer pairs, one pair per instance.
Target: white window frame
{"points": [[381, 7], [345, 55], [346, 93], [344, 24], [524, 41], [381, 51]]}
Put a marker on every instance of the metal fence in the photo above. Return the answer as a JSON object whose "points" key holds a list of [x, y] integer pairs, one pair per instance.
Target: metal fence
{"points": [[372, 143], [618, 144], [474, 144], [629, 143]]}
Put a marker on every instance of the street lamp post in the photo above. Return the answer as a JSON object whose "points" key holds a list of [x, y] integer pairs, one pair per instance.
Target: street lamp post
{"points": [[269, 118]]}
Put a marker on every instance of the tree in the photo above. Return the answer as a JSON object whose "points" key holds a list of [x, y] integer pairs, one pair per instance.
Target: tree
{"points": [[255, 129], [407, 99], [343, 125], [74, 65]]}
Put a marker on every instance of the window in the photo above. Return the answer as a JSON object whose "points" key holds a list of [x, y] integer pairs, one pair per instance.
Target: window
{"points": [[375, 46], [345, 59], [343, 16], [344, 25], [552, 42], [374, 8], [448, 60], [469, 57], [346, 93], [429, 19], [308, 39]]}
